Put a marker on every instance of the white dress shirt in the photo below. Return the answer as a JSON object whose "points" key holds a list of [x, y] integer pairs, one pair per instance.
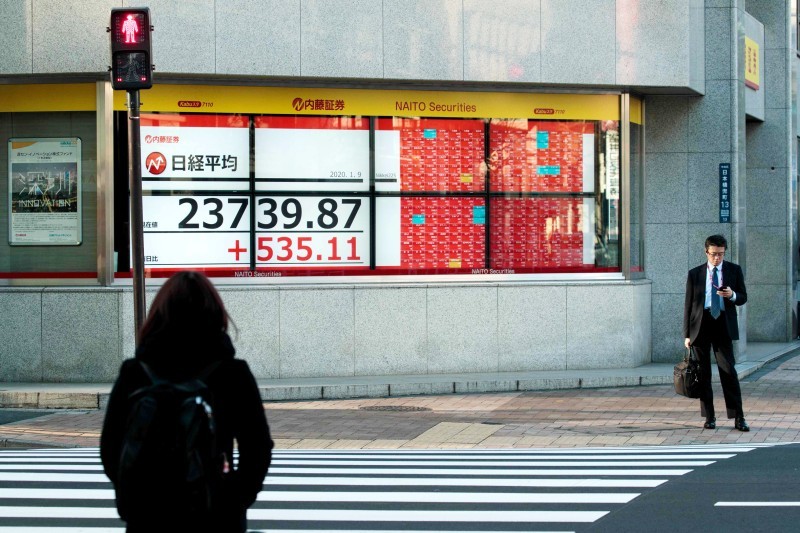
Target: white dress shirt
{"points": [[710, 292]]}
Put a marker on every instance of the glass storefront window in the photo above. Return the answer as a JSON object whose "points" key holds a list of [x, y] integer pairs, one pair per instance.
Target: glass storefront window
{"points": [[636, 180], [277, 195], [269, 182], [49, 216], [555, 195]]}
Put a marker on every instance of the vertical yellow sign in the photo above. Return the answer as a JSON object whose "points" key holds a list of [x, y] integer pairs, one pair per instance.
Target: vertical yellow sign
{"points": [[751, 75]]}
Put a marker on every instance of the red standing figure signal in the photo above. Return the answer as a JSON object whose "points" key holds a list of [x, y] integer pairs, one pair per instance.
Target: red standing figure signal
{"points": [[130, 28], [131, 52]]}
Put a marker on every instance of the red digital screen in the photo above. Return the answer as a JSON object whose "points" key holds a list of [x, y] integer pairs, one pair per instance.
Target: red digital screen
{"points": [[537, 233], [442, 233], [541, 156], [312, 123], [442, 155]]}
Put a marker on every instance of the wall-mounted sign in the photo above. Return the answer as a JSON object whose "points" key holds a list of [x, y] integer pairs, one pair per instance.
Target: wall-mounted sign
{"points": [[365, 102], [752, 78], [753, 49], [724, 192], [44, 191]]}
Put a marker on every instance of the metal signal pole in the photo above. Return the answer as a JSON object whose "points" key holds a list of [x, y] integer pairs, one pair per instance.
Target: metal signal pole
{"points": [[137, 236], [132, 69]]}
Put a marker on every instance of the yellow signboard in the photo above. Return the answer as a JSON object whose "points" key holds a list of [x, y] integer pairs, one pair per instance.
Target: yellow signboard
{"points": [[318, 101], [636, 110], [752, 77], [48, 97], [367, 102]]}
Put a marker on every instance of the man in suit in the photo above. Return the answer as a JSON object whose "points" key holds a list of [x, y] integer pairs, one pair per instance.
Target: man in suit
{"points": [[713, 290]]}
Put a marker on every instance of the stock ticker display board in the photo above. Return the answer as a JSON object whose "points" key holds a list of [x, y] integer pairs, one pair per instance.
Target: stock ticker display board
{"points": [[291, 194]]}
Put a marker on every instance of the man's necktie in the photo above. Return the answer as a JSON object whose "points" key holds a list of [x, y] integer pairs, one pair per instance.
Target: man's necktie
{"points": [[714, 297]]}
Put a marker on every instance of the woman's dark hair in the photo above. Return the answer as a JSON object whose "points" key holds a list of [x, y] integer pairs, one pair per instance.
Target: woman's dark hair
{"points": [[187, 303]]}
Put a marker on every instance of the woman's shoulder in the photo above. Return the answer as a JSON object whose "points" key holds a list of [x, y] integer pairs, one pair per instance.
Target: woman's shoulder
{"points": [[230, 372], [236, 368], [131, 368], [131, 363], [131, 377]]}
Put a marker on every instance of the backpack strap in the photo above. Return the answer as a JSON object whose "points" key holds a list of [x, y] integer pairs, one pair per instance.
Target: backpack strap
{"points": [[207, 371], [154, 378]]}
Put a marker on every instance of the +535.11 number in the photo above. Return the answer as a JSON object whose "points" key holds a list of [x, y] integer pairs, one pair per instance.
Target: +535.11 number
{"points": [[306, 249], [309, 238]]}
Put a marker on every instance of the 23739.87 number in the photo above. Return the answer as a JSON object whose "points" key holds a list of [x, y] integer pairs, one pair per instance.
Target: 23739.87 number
{"points": [[290, 213]]}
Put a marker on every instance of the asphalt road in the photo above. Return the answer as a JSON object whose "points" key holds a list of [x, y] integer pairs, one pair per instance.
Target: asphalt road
{"points": [[653, 489], [15, 415], [763, 477]]}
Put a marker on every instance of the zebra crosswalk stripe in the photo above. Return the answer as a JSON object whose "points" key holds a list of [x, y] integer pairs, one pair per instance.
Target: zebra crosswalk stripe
{"points": [[318, 496], [364, 491]]}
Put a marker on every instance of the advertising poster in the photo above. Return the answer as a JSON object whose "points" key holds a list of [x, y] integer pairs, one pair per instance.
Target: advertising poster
{"points": [[44, 192]]}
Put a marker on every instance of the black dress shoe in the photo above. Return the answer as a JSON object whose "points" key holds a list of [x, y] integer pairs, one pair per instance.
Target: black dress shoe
{"points": [[711, 423], [741, 424]]}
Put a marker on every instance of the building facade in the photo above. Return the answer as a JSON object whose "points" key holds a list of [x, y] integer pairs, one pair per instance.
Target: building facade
{"points": [[399, 187]]}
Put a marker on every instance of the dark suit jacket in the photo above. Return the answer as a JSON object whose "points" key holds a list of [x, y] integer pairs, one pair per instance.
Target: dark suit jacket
{"points": [[732, 277]]}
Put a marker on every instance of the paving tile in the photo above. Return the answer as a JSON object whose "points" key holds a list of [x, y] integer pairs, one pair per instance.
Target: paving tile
{"points": [[499, 442], [312, 444], [633, 416], [385, 444], [349, 444]]}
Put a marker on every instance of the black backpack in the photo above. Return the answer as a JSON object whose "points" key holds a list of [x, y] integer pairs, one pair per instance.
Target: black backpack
{"points": [[169, 463]]}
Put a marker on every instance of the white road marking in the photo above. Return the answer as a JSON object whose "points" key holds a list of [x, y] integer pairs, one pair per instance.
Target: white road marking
{"points": [[757, 504]]}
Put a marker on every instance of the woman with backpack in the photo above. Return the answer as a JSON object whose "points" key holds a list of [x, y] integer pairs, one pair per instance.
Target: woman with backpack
{"points": [[174, 412]]}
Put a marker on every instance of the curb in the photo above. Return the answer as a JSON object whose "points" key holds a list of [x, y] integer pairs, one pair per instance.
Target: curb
{"points": [[95, 396], [395, 386]]}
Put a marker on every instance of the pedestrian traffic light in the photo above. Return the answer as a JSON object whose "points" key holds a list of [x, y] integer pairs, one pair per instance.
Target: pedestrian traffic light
{"points": [[131, 55]]}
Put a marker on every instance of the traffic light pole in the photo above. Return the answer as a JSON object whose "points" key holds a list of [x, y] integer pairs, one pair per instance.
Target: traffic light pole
{"points": [[137, 237], [132, 69]]}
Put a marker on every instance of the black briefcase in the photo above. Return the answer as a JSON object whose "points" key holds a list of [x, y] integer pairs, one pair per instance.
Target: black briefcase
{"points": [[686, 375]]}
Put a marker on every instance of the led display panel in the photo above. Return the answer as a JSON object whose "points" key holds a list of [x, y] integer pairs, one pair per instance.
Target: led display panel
{"points": [[541, 156], [312, 231], [311, 153], [302, 160], [552, 234], [419, 154], [431, 233], [195, 183], [311, 192]]}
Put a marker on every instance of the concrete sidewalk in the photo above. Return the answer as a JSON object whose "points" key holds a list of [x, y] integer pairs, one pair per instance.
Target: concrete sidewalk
{"points": [[578, 408], [95, 395]]}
